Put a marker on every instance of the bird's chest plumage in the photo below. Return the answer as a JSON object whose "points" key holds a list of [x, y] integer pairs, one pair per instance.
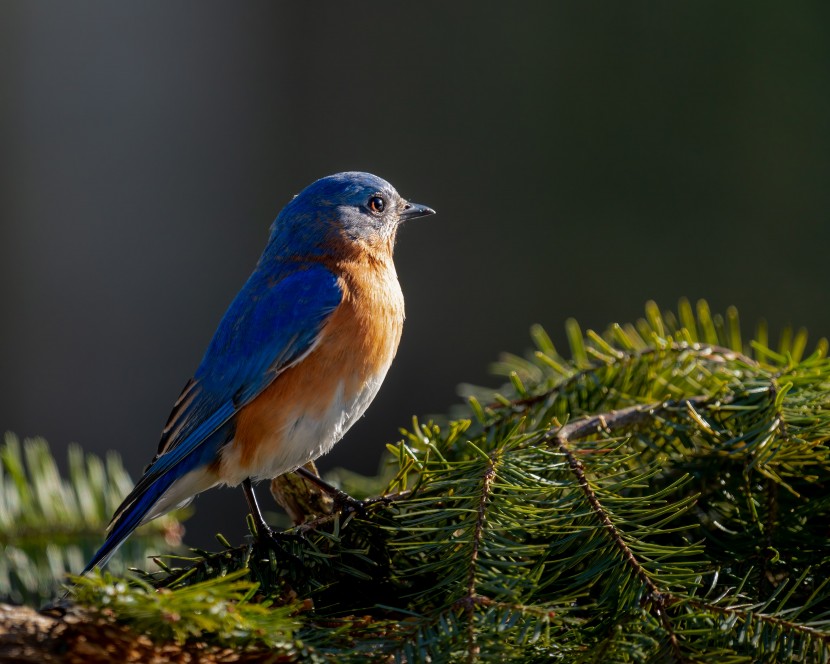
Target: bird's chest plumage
{"points": [[310, 405]]}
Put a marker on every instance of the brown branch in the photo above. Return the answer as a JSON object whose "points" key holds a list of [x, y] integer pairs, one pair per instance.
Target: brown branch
{"points": [[660, 600], [562, 440], [744, 615], [472, 599], [80, 636], [770, 533]]}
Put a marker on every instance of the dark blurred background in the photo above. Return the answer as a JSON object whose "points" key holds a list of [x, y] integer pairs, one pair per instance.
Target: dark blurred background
{"points": [[583, 156]]}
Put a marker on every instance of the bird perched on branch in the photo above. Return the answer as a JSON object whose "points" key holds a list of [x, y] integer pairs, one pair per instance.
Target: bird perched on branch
{"points": [[297, 358]]}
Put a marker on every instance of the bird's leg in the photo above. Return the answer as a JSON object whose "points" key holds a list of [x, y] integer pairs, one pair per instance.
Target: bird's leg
{"points": [[265, 534], [262, 528], [341, 498]]}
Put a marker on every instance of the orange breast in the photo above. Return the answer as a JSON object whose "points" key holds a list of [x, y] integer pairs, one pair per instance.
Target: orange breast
{"points": [[309, 406]]}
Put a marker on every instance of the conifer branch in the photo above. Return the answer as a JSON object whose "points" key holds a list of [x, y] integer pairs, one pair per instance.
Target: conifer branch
{"points": [[627, 357], [750, 615], [659, 600], [651, 526], [50, 524], [770, 530], [470, 600]]}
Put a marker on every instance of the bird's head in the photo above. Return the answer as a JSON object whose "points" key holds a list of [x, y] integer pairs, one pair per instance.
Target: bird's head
{"points": [[345, 208]]}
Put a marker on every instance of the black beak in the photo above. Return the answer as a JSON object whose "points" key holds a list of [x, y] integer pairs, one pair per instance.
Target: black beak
{"points": [[413, 211]]}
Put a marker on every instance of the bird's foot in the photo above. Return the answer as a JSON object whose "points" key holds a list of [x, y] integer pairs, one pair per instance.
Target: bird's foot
{"points": [[280, 542], [344, 503], [283, 545]]}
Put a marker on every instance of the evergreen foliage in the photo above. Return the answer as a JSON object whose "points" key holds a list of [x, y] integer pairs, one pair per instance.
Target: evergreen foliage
{"points": [[220, 607], [49, 525], [659, 496]]}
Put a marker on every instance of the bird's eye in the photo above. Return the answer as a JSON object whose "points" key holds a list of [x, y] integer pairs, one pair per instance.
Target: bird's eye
{"points": [[376, 204]]}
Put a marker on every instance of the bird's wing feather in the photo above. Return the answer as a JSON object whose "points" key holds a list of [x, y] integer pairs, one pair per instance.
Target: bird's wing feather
{"points": [[272, 324], [266, 329], [252, 345]]}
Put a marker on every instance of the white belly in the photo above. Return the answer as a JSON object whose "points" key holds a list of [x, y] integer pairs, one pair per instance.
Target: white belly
{"points": [[303, 438]]}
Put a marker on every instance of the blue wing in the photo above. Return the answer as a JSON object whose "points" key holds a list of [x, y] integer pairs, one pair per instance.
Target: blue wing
{"points": [[266, 329], [271, 324]]}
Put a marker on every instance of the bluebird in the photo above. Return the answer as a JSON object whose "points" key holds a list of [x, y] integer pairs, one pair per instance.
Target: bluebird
{"points": [[297, 358]]}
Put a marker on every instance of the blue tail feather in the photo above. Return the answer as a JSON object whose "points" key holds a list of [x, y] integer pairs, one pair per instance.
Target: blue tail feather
{"points": [[131, 519], [150, 489]]}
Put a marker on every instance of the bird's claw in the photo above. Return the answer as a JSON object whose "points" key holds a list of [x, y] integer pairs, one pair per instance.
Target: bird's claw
{"points": [[344, 503], [277, 541], [270, 536]]}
